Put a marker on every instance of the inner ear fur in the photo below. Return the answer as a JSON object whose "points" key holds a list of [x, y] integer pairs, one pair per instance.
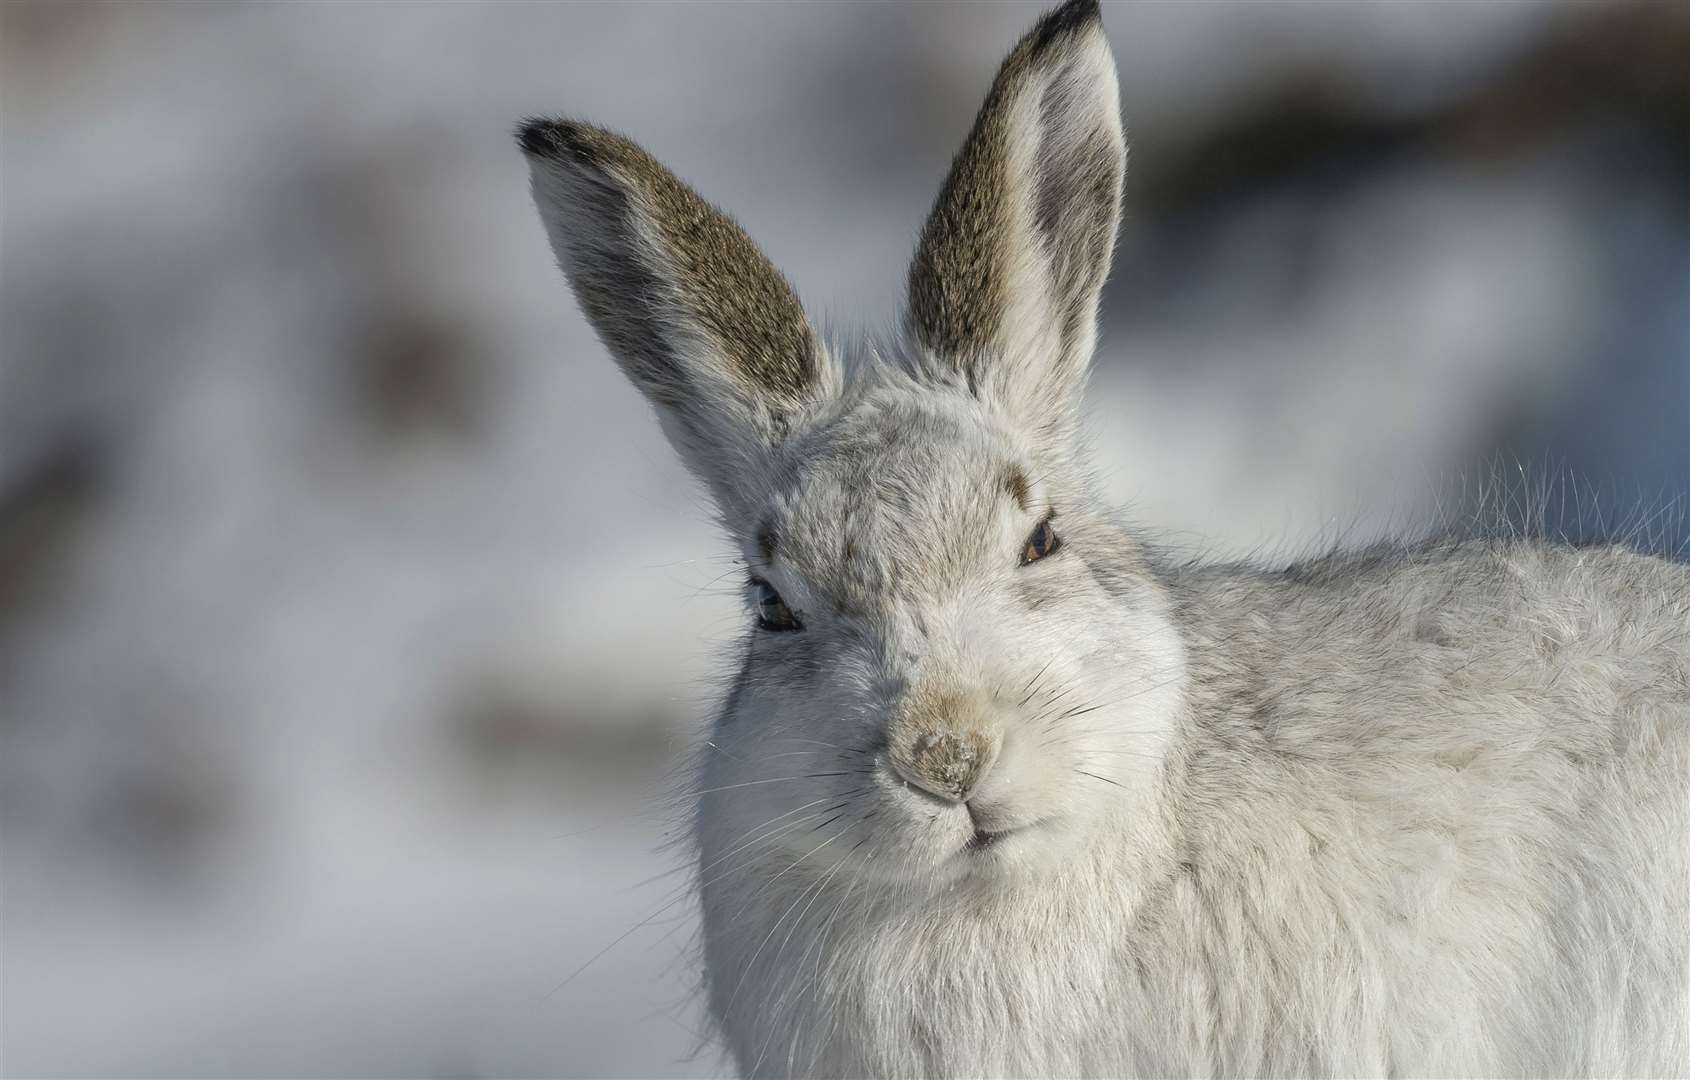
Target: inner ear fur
{"points": [[1003, 291], [692, 311]]}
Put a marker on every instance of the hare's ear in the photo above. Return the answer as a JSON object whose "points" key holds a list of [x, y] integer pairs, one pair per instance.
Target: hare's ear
{"points": [[692, 311], [1004, 289]]}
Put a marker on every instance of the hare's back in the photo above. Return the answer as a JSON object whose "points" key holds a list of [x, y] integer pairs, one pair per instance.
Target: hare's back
{"points": [[1593, 643], [1495, 736], [1582, 634]]}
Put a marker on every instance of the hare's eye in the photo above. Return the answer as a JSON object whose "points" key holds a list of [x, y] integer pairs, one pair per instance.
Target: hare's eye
{"points": [[772, 612], [1044, 541]]}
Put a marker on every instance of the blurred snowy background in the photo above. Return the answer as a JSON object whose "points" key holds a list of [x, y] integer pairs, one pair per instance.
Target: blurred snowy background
{"points": [[353, 614]]}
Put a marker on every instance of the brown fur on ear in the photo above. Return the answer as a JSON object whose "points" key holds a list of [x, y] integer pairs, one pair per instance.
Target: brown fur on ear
{"points": [[655, 268], [1031, 205]]}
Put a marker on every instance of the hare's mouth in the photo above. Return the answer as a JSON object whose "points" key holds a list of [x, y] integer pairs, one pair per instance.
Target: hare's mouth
{"points": [[985, 840]]}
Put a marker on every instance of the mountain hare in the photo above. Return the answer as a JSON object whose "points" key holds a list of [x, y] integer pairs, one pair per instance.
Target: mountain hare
{"points": [[1000, 791]]}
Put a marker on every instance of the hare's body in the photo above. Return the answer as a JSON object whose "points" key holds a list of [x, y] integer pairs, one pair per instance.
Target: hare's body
{"points": [[997, 792], [1423, 814]]}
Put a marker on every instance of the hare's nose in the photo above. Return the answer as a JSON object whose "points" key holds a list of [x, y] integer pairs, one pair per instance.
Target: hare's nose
{"points": [[949, 764]]}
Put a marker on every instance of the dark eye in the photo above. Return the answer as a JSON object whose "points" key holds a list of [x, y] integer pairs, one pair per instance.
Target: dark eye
{"points": [[1044, 541], [772, 612]]}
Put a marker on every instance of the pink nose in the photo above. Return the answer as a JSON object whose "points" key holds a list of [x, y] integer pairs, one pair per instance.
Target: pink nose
{"points": [[949, 764]]}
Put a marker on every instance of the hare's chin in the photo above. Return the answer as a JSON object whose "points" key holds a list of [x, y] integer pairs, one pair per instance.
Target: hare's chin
{"points": [[1004, 855], [1004, 840]]}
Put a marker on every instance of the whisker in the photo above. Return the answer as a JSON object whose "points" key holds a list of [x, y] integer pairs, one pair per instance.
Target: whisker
{"points": [[818, 742], [1030, 687], [820, 889], [847, 795], [752, 963], [775, 780], [1105, 779], [757, 829]]}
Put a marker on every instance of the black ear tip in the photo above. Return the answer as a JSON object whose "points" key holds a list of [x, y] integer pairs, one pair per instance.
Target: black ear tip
{"points": [[569, 142], [1070, 17], [540, 137], [1078, 12], [556, 138]]}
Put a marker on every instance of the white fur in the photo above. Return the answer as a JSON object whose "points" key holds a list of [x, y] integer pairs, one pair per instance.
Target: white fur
{"points": [[1415, 811], [1428, 817]]}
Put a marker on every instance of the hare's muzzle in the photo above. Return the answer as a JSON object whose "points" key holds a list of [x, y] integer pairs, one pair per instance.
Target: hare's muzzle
{"points": [[944, 750]]}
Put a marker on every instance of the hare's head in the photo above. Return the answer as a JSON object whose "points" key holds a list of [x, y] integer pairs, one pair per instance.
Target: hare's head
{"points": [[953, 666]]}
